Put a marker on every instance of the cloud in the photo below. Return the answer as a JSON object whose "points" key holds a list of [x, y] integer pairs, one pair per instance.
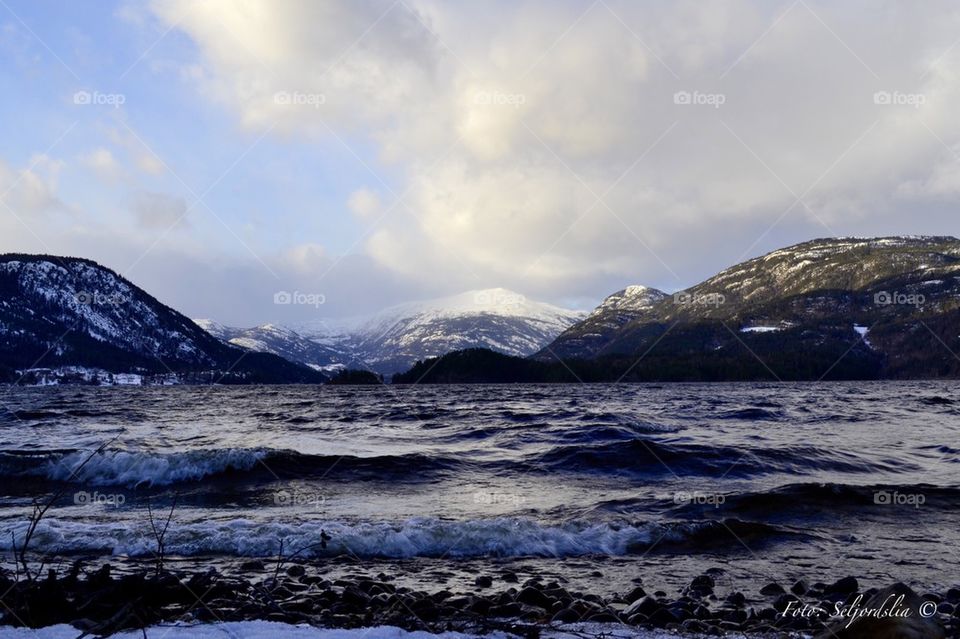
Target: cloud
{"points": [[102, 162], [567, 148], [364, 203], [31, 191], [159, 211]]}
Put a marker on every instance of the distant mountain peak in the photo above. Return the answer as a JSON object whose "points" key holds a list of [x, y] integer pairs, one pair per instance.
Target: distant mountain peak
{"points": [[394, 339]]}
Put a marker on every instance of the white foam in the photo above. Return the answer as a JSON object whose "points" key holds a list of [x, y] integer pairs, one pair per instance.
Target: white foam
{"points": [[123, 468], [503, 536]]}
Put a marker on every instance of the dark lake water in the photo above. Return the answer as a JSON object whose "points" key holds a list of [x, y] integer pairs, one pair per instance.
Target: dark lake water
{"points": [[599, 484]]}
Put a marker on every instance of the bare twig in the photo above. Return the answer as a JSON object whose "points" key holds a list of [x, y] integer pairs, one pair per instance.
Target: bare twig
{"points": [[39, 510], [159, 534]]}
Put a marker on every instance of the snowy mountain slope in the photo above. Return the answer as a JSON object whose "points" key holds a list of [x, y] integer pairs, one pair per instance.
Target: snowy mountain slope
{"points": [[394, 339], [498, 319], [61, 311], [285, 342], [805, 305], [585, 337]]}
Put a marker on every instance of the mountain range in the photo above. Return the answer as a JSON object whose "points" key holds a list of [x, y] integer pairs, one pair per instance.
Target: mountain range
{"points": [[844, 308], [392, 340]]}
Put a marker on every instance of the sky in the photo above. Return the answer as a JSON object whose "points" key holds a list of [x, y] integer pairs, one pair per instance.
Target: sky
{"points": [[364, 153]]}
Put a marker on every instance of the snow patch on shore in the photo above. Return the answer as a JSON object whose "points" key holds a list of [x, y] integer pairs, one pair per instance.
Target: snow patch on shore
{"points": [[275, 630]]}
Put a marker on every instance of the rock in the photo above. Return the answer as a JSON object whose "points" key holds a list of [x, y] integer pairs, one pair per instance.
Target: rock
{"points": [[567, 615], [898, 598], [635, 594], [845, 586], [953, 595], [296, 570], [507, 610], [533, 597], [781, 603], [772, 590], [662, 616], [254, 564], [736, 599], [483, 581], [703, 582], [645, 606], [510, 577], [800, 588], [694, 626], [481, 605]]}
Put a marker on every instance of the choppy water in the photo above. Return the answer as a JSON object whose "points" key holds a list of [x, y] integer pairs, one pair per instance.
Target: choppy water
{"points": [[765, 481]]}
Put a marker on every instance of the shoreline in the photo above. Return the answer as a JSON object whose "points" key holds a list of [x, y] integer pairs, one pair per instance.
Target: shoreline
{"points": [[97, 598]]}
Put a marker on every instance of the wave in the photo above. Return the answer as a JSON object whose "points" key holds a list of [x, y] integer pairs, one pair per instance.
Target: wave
{"points": [[500, 537], [648, 456], [811, 499], [133, 469]]}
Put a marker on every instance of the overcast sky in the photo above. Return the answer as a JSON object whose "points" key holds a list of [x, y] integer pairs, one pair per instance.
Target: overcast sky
{"points": [[373, 152]]}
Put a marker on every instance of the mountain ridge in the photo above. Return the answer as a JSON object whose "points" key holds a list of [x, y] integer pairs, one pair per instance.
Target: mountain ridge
{"points": [[73, 313], [829, 308]]}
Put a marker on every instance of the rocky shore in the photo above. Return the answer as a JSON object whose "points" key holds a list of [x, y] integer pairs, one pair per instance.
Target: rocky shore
{"points": [[99, 600]]}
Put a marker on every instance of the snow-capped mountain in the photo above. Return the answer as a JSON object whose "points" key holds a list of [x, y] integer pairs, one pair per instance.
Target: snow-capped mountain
{"points": [[496, 318], [288, 344], [632, 303], [71, 313], [844, 306], [394, 339]]}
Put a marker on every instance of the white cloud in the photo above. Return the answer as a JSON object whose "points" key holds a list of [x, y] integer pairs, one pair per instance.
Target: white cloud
{"points": [[364, 203], [102, 162], [511, 119], [159, 211], [31, 191]]}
